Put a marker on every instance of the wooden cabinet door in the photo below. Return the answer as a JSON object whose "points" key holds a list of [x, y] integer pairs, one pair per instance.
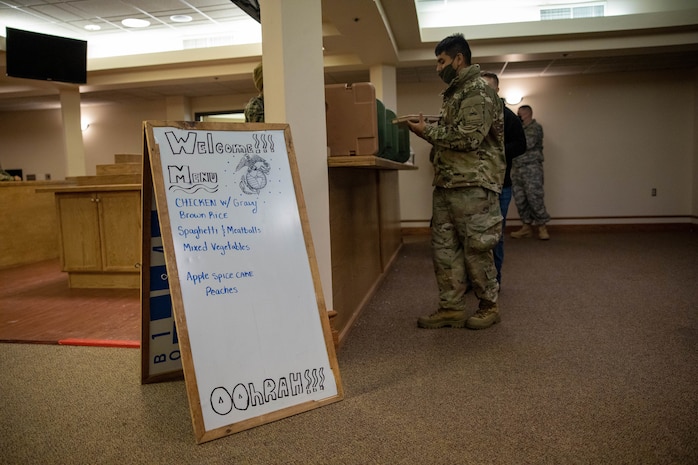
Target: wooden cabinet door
{"points": [[120, 227], [79, 230]]}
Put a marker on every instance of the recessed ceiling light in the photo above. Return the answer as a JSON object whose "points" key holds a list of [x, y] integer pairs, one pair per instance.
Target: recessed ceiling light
{"points": [[92, 27], [133, 22], [180, 18]]}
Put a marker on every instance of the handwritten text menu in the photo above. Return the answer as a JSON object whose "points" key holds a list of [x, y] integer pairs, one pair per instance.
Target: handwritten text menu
{"points": [[244, 272]]}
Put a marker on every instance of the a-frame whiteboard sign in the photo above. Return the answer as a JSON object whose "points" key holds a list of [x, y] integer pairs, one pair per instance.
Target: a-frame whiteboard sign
{"points": [[253, 330]]}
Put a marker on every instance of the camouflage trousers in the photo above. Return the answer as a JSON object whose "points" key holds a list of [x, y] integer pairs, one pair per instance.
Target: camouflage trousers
{"points": [[466, 225], [527, 188]]}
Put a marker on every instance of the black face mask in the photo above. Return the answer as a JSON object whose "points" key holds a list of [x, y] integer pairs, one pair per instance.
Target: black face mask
{"points": [[448, 73]]}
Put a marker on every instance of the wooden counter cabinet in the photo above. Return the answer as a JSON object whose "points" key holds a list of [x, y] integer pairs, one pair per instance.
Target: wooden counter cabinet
{"points": [[29, 230], [364, 230], [100, 233]]}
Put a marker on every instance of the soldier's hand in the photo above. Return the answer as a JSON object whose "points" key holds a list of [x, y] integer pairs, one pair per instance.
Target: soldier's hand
{"points": [[418, 126]]}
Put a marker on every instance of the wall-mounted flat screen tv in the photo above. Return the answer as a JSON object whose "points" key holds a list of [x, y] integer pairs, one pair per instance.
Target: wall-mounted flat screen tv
{"points": [[32, 55]]}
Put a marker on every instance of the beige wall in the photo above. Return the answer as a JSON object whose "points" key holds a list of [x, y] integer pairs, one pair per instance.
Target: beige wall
{"points": [[116, 129], [33, 140], [609, 139]]}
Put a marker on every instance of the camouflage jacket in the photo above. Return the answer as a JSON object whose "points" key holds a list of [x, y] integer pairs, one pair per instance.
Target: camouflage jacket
{"points": [[534, 145], [254, 110], [468, 141]]}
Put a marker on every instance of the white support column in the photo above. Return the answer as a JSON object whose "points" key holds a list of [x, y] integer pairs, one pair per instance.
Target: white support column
{"points": [[384, 79], [178, 109], [294, 92], [75, 164]]}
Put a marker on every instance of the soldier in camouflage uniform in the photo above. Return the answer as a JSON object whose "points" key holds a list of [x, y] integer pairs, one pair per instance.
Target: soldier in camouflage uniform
{"points": [[527, 179], [254, 110], [469, 166]]}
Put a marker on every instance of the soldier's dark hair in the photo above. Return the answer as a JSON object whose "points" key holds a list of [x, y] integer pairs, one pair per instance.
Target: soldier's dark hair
{"points": [[453, 45], [493, 76], [526, 107]]}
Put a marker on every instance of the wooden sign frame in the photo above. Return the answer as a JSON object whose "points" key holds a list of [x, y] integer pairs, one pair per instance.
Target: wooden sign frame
{"points": [[249, 357]]}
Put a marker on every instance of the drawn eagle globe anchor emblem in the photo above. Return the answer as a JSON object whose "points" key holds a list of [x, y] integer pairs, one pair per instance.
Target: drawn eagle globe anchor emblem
{"points": [[255, 177]]}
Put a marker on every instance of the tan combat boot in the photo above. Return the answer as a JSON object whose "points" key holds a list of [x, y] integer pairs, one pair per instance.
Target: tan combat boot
{"points": [[543, 233], [525, 231], [441, 318], [484, 318]]}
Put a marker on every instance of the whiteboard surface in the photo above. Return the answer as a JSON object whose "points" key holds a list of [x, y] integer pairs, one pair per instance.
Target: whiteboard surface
{"points": [[247, 290]]}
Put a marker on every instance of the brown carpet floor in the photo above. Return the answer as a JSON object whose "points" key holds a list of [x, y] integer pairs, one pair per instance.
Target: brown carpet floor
{"points": [[595, 362]]}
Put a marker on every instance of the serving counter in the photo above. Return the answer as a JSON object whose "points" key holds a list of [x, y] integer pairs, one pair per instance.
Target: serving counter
{"points": [[364, 230]]}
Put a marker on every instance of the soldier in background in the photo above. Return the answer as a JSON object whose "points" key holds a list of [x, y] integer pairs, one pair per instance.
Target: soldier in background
{"points": [[469, 165], [514, 145], [254, 110], [527, 179]]}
